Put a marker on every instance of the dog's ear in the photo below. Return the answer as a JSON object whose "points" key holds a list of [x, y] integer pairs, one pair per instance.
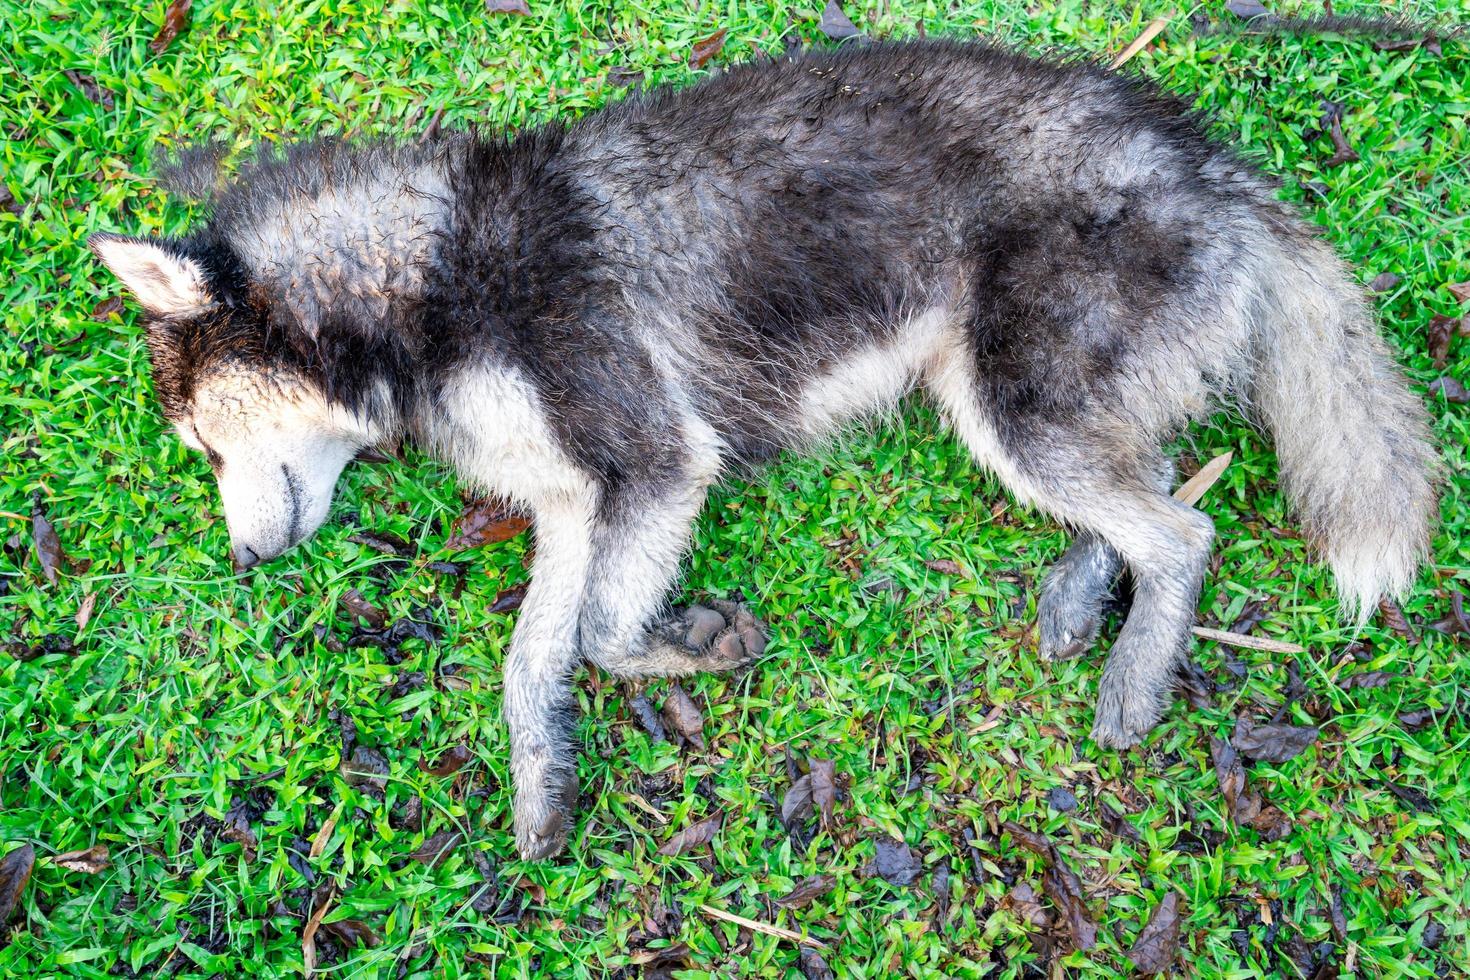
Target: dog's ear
{"points": [[166, 282]]}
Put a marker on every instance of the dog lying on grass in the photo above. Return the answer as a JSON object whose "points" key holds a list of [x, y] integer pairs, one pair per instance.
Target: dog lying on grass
{"points": [[600, 319]]}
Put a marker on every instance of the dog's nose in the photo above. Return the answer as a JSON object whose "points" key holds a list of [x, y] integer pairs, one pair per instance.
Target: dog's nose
{"points": [[245, 557]]}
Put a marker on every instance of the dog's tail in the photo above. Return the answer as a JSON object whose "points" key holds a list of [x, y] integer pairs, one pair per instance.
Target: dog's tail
{"points": [[1355, 451]]}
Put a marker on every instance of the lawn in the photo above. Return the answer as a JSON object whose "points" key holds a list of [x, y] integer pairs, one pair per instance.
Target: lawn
{"points": [[194, 725]]}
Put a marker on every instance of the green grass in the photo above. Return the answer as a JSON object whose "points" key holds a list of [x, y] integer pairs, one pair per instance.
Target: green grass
{"points": [[190, 691]]}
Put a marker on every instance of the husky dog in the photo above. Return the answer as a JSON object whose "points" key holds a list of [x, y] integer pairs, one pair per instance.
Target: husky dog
{"points": [[599, 319]]}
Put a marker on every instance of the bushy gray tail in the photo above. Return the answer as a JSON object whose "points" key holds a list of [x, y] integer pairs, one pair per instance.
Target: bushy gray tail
{"points": [[1355, 453]]}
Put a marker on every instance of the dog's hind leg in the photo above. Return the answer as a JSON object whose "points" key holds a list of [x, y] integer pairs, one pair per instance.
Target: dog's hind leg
{"points": [[1077, 587], [627, 628], [1099, 477]]}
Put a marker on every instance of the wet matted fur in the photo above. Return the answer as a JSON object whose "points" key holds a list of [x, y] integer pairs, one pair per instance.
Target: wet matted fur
{"points": [[600, 319]]}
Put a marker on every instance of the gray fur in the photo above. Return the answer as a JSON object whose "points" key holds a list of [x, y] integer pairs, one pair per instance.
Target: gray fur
{"points": [[601, 321]]}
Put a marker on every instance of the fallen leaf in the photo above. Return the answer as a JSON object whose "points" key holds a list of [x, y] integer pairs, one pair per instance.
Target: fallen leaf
{"points": [[1383, 282], [1370, 679], [624, 76], [367, 767], [1342, 150], [351, 932], [835, 24], [647, 717], [704, 50], [1246, 9], [813, 966], [796, 805], [1460, 290], [683, 716], [806, 891], [450, 762], [1116, 824], [47, 544], [1157, 946], [93, 860], [323, 901], [1394, 618], [895, 862], [509, 600], [824, 790], [236, 827], [691, 837], [1335, 913], [1060, 883], [357, 606], [384, 542], [518, 7], [84, 611], [107, 309], [15, 871], [88, 86], [175, 20], [433, 852], [1441, 330], [1271, 743], [322, 838], [1022, 901], [1415, 799], [1246, 807], [945, 566], [1451, 390], [487, 520]]}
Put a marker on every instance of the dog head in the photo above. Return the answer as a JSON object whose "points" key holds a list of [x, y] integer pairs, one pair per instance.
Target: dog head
{"points": [[236, 390]]}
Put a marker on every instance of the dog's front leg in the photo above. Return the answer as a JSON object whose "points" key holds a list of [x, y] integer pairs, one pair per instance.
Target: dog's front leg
{"points": [[539, 707]]}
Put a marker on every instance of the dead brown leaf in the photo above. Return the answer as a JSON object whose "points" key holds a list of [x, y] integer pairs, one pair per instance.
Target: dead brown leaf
{"points": [[518, 7], [322, 838], [175, 20], [93, 860], [1460, 290], [945, 566], [485, 521], [15, 871], [895, 862], [682, 716], [1157, 946], [357, 606], [704, 50], [1060, 883], [835, 24], [824, 791], [1450, 390], [451, 761], [1394, 618], [437, 848], [1271, 743], [509, 600], [806, 891], [1442, 330], [236, 827], [47, 544], [308, 932], [84, 611], [351, 932], [692, 836], [93, 92]]}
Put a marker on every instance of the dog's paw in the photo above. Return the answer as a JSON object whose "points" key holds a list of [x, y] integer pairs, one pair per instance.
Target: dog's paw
{"points": [[1069, 611], [544, 816], [722, 635], [1125, 714], [1065, 629]]}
